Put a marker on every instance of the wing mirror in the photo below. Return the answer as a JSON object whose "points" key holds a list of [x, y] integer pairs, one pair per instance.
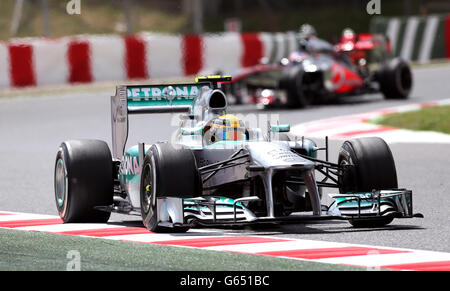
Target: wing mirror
{"points": [[280, 128], [191, 131]]}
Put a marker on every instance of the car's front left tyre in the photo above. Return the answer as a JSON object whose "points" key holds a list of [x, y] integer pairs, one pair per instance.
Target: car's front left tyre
{"points": [[369, 166]]}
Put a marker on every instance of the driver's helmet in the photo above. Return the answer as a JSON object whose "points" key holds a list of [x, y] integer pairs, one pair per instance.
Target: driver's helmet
{"points": [[348, 35], [227, 127], [307, 31]]}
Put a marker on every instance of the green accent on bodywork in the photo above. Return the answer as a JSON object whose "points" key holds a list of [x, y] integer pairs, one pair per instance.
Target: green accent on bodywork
{"points": [[129, 168], [164, 95], [363, 195], [369, 198], [280, 128], [310, 147], [165, 102], [226, 144], [129, 172], [366, 201], [60, 201], [192, 203], [192, 131], [134, 151]]}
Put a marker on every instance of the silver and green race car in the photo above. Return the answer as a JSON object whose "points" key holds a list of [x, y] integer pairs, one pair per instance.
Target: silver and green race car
{"points": [[217, 171]]}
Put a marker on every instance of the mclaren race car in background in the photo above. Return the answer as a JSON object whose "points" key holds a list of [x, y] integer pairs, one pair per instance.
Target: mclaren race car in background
{"points": [[319, 72], [217, 171]]}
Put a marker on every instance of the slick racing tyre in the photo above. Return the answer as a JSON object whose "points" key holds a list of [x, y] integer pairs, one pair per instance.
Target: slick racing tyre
{"points": [[371, 166], [167, 171], [292, 81], [83, 179], [395, 79]]}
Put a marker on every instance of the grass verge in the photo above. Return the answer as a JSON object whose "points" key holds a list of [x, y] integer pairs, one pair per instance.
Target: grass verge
{"points": [[429, 119]]}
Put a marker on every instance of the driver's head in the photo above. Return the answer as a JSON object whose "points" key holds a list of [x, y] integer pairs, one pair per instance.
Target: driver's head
{"points": [[348, 34], [227, 127], [307, 31]]}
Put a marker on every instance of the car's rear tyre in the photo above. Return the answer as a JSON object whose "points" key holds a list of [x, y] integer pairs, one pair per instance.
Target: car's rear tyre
{"points": [[372, 167], [83, 179], [292, 81], [395, 79], [167, 171]]}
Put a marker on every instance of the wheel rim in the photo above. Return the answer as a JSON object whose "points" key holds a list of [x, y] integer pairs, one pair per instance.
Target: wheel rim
{"points": [[60, 183], [147, 184]]}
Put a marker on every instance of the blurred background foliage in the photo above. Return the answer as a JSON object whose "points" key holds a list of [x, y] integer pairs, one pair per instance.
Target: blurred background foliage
{"points": [[49, 17]]}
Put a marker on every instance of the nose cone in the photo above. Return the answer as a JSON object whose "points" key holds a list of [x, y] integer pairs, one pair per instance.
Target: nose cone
{"points": [[277, 156]]}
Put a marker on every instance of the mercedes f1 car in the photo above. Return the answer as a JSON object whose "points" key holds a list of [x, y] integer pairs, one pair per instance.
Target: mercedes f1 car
{"points": [[217, 171], [319, 72]]}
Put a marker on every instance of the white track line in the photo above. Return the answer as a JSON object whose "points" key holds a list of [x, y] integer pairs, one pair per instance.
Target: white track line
{"points": [[25, 216], [57, 228], [377, 260], [297, 244], [157, 237]]}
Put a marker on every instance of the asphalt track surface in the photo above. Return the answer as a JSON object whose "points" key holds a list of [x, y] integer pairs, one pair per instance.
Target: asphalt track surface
{"points": [[33, 125]]}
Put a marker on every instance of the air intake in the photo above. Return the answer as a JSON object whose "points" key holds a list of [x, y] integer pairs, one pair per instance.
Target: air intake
{"points": [[217, 100]]}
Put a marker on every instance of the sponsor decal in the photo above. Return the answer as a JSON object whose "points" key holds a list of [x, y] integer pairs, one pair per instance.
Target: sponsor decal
{"points": [[284, 155], [164, 92], [129, 165]]}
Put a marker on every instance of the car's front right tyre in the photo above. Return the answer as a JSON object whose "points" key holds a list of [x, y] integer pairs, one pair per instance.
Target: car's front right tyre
{"points": [[167, 171]]}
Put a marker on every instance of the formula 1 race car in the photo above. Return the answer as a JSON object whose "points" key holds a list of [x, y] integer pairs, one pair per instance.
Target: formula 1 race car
{"points": [[217, 171], [318, 73]]}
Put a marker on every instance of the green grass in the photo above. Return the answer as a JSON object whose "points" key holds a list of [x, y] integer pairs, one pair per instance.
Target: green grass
{"points": [[23, 250], [429, 119]]}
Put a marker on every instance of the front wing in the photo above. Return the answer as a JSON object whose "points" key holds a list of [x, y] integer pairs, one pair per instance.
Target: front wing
{"points": [[222, 211]]}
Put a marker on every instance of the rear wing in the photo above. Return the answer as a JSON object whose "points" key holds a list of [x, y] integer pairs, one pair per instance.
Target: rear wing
{"points": [[146, 99], [378, 46]]}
